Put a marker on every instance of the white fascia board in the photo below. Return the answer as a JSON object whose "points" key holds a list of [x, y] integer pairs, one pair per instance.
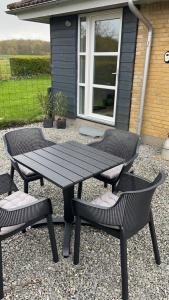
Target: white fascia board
{"points": [[42, 13]]}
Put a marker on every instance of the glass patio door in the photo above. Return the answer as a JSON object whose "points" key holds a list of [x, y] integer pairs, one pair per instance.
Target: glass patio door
{"points": [[104, 55], [98, 67]]}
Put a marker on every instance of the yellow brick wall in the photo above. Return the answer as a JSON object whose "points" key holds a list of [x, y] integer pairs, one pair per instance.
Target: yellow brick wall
{"points": [[156, 110]]}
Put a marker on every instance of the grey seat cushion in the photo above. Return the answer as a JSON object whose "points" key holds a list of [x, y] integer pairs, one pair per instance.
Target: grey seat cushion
{"points": [[25, 170], [106, 200], [113, 172], [16, 201]]}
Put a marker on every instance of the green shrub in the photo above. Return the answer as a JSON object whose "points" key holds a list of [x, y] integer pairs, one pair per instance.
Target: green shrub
{"points": [[45, 101], [25, 66], [5, 72], [61, 104]]}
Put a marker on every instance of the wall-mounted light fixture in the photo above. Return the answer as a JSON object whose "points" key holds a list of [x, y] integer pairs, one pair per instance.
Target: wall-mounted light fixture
{"points": [[68, 23], [166, 57]]}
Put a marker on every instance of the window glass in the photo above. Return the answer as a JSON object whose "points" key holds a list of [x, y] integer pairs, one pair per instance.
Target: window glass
{"points": [[81, 99], [105, 70], [103, 102], [82, 34], [82, 68], [107, 35]]}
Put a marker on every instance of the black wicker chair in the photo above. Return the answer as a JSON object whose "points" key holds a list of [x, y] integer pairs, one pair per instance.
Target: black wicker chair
{"points": [[21, 141], [17, 212], [121, 217], [117, 142]]}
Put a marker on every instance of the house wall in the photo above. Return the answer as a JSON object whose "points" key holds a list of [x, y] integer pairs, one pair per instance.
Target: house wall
{"points": [[156, 111], [64, 63], [64, 59], [126, 69]]}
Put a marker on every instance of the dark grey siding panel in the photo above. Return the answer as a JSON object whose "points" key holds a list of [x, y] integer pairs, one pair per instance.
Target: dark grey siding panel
{"points": [[64, 63], [127, 47], [64, 59], [126, 70]]}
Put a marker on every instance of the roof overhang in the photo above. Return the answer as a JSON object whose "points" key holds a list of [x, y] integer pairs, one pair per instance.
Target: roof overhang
{"points": [[42, 12]]}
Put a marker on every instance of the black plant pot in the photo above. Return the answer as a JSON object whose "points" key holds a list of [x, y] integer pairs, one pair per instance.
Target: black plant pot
{"points": [[48, 123], [61, 123]]}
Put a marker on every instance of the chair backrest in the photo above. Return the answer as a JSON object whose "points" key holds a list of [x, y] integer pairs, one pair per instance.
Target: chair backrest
{"points": [[121, 143], [23, 140], [137, 204]]}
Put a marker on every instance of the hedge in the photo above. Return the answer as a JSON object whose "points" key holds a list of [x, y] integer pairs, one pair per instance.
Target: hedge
{"points": [[29, 65]]}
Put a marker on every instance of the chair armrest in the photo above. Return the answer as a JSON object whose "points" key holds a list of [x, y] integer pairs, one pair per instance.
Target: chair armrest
{"points": [[129, 182], [6, 149], [6, 184], [128, 164], [25, 214], [131, 160], [100, 215], [16, 167], [49, 143], [13, 162], [94, 144]]}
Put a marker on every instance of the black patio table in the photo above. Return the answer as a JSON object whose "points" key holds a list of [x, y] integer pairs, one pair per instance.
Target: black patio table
{"points": [[66, 165]]}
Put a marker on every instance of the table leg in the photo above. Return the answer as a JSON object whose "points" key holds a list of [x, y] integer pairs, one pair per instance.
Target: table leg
{"points": [[68, 195], [67, 239]]}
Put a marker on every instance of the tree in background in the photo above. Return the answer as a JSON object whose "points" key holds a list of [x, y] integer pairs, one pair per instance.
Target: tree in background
{"points": [[24, 47]]}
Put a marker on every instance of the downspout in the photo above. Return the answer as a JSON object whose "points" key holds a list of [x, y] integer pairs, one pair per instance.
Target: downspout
{"points": [[148, 25]]}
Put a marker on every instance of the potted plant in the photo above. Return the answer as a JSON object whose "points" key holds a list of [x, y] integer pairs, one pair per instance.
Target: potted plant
{"points": [[46, 102], [60, 109]]}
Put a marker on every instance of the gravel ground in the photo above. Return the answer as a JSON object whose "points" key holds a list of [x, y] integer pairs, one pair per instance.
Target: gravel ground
{"points": [[29, 272]]}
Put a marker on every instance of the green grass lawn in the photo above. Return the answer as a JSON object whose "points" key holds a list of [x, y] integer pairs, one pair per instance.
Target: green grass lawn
{"points": [[18, 103]]}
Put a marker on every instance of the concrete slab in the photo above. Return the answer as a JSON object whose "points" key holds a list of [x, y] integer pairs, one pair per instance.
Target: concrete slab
{"points": [[91, 131]]}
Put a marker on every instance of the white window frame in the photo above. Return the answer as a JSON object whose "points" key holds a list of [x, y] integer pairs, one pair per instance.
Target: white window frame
{"points": [[89, 54]]}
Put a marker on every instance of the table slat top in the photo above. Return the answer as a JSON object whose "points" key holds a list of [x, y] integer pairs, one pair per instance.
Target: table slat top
{"points": [[68, 163]]}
